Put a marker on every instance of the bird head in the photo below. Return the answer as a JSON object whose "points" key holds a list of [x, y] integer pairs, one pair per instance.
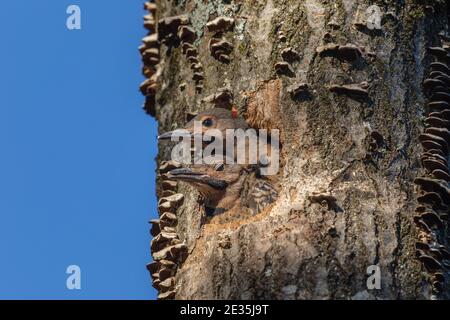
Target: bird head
{"points": [[220, 184], [216, 118]]}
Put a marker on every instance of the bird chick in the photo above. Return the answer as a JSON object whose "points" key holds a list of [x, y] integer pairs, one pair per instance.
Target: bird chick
{"points": [[246, 149], [227, 187], [216, 118]]}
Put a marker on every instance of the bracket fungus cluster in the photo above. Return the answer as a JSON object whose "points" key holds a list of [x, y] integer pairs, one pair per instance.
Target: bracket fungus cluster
{"points": [[219, 47], [149, 19], [168, 251], [150, 58], [283, 68], [348, 52], [289, 55], [168, 29], [220, 24], [358, 90], [222, 99], [187, 37], [299, 90], [431, 216]]}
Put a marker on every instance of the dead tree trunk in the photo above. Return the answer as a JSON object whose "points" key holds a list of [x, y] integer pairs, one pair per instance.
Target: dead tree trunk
{"points": [[349, 99]]}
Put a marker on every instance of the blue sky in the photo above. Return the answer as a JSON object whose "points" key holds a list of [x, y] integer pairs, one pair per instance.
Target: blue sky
{"points": [[77, 152]]}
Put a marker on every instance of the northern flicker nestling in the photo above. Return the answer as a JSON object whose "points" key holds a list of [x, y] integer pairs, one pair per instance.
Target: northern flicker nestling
{"points": [[216, 118], [224, 119], [228, 187], [225, 185]]}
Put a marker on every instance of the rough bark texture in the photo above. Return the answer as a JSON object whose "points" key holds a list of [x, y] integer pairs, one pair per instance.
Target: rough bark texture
{"points": [[301, 248]]}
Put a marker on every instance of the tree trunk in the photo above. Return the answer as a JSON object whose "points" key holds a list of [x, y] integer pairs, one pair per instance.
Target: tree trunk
{"points": [[348, 99]]}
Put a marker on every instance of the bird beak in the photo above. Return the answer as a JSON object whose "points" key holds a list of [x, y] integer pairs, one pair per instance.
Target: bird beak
{"points": [[188, 175], [203, 137], [176, 133]]}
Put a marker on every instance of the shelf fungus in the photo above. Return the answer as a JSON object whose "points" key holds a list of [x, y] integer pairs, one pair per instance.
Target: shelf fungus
{"points": [[177, 199], [168, 28], [422, 246], [166, 273], [150, 57], [430, 263], [168, 219], [220, 24], [441, 67], [151, 41], [168, 295], [167, 249], [434, 185], [147, 72], [281, 36], [150, 7], [439, 53], [222, 99], [440, 76], [445, 114], [155, 229], [289, 55], [441, 174], [352, 90], [431, 83], [149, 23], [186, 34], [191, 52], [441, 96], [197, 76], [168, 253], [153, 267], [283, 68], [199, 88], [150, 106], [162, 254], [433, 199], [444, 133], [299, 90], [179, 252], [432, 219], [164, 239], [220, 50], [434, 195], [441, 161], [438, 105], [432, 140], [348, 52], [438, 122], [196, 67]]}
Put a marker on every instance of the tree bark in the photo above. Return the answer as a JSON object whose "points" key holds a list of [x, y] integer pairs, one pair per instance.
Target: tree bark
{"points": [[350, 154]]}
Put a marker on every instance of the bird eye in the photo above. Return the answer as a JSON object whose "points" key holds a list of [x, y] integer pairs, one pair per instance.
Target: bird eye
{"points": [[219, 167], [208, 122]]}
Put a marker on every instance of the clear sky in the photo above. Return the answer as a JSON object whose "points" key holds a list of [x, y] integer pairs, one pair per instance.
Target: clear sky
{"points": [[77, 151]]}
